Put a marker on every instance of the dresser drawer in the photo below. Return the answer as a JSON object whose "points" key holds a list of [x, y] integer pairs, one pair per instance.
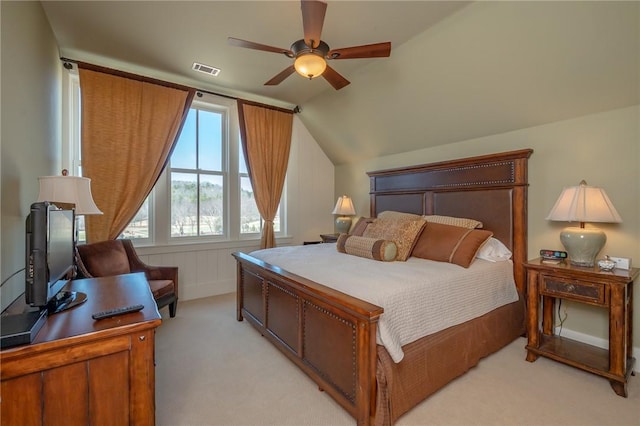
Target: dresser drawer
{"points": [[586, 291]]}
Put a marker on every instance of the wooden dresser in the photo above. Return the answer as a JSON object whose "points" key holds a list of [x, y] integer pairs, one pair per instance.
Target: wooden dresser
{"points": [[79, 371]]}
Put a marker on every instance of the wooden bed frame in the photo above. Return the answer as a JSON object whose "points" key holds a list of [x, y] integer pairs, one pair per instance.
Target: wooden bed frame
{"points": [[331, 336]]}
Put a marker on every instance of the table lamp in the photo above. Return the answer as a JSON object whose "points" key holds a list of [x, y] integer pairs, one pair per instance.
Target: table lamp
{"points": [[344, 208], [68, 190], [582, 204]]}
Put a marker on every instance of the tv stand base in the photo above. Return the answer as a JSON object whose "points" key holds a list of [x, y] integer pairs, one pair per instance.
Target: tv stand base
{"points": [[65, 300]]}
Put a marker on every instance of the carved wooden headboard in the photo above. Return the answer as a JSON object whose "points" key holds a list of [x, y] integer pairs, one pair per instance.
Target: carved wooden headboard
{"points": [[489, 188]]}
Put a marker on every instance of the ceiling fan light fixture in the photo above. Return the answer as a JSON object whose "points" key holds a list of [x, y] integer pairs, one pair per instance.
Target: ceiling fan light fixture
{"points": [[310, 65], [310, 53]]}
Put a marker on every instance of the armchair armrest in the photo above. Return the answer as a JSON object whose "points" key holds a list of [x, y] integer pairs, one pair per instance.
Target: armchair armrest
{"points": [[152, 272]]}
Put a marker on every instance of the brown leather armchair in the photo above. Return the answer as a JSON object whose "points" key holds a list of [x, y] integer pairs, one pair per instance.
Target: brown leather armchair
{"points": [[115, 257]]}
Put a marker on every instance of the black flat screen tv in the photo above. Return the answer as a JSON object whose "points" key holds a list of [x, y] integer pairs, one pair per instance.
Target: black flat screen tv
{"points": [[50, 247]]}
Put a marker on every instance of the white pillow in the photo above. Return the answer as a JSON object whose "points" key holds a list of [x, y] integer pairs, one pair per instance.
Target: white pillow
{"points": [[494, 251]]}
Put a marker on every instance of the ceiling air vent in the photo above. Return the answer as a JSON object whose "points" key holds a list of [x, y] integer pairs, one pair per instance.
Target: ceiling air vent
{"points": [[206, 69]]}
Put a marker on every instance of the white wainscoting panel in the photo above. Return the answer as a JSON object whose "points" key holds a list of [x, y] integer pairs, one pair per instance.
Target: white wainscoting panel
{"points": [[204, 269]]}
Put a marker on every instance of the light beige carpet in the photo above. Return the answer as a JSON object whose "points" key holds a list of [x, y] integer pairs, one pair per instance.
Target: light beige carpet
{"points": [[213, 370]]}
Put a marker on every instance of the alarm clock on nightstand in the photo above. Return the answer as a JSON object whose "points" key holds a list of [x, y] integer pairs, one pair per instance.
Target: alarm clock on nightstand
{"points": [[553, 256]]}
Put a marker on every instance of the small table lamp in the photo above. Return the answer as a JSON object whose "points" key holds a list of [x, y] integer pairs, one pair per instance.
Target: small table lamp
{"points": [[344, 208], [68, 190], [582, 204]]}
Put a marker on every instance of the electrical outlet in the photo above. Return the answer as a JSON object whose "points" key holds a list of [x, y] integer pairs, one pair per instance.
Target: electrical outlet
{"points": [[622, 262]]}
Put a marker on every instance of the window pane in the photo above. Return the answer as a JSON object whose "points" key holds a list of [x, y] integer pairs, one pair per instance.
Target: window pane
{"points": [[184, 206], [184, 154], [82, 232], [250, 219], [242, 164], [276, 221], [139, 226], [211, 205], [210, 141], [249, 215]]}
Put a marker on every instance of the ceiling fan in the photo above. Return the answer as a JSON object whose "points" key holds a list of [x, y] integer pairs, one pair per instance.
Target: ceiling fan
{"points": [[311, 53]]}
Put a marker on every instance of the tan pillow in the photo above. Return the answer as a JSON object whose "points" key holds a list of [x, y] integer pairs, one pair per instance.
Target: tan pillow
{"points": [[454, 221], [359, 227], [370, 248], [446, 243], [403, 232], [391, 214]]}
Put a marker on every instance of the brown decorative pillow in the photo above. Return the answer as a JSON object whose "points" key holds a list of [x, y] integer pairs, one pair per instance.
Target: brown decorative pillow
{"points": [[447, 243], [370, 248], [402, 231], [454, 221], [359, 227]]}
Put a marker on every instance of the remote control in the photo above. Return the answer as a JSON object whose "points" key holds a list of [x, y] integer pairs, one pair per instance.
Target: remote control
{"points": [[116, 311]]}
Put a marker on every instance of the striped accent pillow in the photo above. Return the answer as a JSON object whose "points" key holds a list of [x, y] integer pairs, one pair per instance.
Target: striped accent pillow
{"points": [[370, 248]]}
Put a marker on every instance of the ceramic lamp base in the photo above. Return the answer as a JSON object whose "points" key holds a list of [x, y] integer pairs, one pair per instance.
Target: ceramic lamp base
{"points": [[582, 244], [343, 223]]}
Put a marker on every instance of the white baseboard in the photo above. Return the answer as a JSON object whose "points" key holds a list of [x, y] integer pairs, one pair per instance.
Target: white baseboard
{"points": [[595, 341]]}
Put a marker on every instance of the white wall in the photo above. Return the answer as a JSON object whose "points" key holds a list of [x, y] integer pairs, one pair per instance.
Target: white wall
{"points": [[603, 149], [31, 122]]}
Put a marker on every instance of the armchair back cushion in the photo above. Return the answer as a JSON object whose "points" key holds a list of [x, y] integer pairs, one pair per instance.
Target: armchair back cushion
{"points": [[105, 258]]}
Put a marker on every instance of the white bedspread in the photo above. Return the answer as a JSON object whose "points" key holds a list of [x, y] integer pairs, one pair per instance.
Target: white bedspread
{"points": [[419, 297]]}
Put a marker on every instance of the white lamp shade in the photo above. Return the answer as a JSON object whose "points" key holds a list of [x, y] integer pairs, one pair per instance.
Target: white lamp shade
{"points": [[68, 189], [584, 203], [344, 206]]}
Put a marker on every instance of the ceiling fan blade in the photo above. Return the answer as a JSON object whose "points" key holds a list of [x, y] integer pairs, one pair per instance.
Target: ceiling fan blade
{"points": [[312, 20], [376, 50], [281, 76], [334, 79], [257, 46]]}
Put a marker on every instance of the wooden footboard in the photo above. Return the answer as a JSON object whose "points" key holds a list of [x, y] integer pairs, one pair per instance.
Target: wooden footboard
{"points": [[331, 336]]}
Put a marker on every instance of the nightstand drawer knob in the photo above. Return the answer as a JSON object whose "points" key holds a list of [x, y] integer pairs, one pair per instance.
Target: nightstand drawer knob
{"points": [[571, 287]]}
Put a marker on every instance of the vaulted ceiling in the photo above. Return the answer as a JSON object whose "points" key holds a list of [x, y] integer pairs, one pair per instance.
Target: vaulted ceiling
{"points": [[457, 70]]}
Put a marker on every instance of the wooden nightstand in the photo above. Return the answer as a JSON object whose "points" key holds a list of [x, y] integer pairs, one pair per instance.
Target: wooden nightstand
{"points": [[610, 290], [329, 238]]}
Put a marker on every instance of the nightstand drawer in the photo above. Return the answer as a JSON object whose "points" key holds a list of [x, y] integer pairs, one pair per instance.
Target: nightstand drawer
{"points": [[587, 291]]}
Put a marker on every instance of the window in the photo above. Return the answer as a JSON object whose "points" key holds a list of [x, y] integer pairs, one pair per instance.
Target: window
{"points": [[204, 194], [197, 175]]}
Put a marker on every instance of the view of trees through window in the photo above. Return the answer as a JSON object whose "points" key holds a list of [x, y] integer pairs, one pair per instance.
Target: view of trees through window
{"points": [[197, 205], [138, 228]]}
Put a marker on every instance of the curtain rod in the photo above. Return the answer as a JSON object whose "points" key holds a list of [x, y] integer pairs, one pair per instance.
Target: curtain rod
{"points": [[199, 92]]}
